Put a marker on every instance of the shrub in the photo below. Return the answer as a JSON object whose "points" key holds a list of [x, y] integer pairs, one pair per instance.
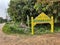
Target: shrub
{"points": [[14, 29], [6, 29]]}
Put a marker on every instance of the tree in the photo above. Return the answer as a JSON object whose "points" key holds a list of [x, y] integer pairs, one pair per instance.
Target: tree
{"points": [[2, 20], [50, 8], [18, 10]]}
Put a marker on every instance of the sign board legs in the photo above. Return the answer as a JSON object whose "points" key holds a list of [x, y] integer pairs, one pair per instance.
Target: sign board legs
{"points": [[52, 24], [32, 26]]}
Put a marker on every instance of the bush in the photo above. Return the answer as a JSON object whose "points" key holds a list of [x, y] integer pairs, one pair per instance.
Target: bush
{"points": [[14, 29], [42, 29], [6, 29]]}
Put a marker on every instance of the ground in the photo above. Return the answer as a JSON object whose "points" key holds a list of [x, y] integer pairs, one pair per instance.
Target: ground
{"points": [[46, 39]]}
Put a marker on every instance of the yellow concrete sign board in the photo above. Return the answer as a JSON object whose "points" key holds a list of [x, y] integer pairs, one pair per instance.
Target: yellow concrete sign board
{"points": [[42, 18]]}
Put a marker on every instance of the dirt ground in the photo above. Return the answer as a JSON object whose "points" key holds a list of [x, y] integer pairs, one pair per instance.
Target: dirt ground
{"points": [[46, 39]]}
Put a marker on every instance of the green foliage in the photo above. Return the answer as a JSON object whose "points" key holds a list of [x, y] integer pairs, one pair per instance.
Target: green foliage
{"points": [[45, 28], [2, 20], [6, 29], [40, 7], [11, 28], [51, 8], [18, 10], [42, 29]]}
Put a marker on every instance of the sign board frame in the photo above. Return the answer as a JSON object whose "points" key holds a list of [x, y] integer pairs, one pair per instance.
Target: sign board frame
{"points": [[42, 18]]}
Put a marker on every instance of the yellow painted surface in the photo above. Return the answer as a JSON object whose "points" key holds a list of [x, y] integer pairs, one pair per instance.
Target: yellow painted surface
{"points": [[42, 18], [52, 24], [32, 25]]}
